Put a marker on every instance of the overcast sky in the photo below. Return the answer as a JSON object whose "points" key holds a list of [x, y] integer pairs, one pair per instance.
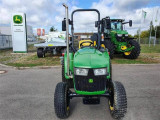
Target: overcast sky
{"points": [[47, 13]]}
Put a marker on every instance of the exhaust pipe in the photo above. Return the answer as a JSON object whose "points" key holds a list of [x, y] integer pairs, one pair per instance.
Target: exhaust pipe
{"points": [[67, 38]]}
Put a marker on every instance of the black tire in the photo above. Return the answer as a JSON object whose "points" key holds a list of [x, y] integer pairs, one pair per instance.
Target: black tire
{"points": [[68, 81], [61, 100], [118, 100], [135, 52], [40, 53], [110, 46]]}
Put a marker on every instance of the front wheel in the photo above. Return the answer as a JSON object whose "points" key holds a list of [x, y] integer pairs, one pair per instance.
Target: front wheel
{"points": [[40, 53], [133, 54], [61, 100], [117, 100]]}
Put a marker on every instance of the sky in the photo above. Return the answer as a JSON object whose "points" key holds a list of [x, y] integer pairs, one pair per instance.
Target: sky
{"points": [[47, 13]]}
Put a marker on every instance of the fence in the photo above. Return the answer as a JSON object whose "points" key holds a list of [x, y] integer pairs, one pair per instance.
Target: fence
{"points": [[5, 41], [146, 41]]}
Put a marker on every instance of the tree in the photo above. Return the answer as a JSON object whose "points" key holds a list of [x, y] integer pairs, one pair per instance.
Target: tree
{"points": [[136, 36], [145, 34], [158, 31], [130, 36], [52, 29]]}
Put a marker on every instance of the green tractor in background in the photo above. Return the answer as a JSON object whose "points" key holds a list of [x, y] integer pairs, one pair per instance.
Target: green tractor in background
{"points": [[89, 72], [118, 41]]}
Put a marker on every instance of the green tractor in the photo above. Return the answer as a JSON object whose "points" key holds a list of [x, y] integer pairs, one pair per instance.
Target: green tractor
{"points": [[118, 41], [87, 73]]}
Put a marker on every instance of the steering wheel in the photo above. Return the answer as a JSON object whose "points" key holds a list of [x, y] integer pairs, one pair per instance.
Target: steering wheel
{"points": [[90, 43]]}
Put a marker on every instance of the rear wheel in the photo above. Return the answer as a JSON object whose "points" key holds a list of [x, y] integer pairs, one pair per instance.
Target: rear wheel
{"points": [[135, 52], [68, 81], [40, 53], [118, 100], [61, 100], [110, 46]]}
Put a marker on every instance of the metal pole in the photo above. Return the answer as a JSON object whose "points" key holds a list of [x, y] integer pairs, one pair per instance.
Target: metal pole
{"points": [[155, 36], [140, 28], [150, 35], [67, 37], [155, 28]]}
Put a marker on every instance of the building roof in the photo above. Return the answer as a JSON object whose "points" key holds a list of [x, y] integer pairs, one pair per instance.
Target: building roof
{"points": [[118, 20], [83, 33]]}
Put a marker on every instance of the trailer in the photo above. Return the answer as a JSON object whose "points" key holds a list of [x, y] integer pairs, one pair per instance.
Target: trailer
{"points": [[54, 45]]}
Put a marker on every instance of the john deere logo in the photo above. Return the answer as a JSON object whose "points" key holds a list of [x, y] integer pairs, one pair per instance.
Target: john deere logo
{"points": [[90, 80], [17, 19]]}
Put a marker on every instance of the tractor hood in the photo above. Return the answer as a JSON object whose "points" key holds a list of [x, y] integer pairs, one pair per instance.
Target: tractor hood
{"points": [[91, 58], [119, 31]]}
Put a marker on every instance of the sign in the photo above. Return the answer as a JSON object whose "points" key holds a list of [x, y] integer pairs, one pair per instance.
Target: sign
{"points": [[43, 32], [17, 19], [19, 35], [39, 31]]}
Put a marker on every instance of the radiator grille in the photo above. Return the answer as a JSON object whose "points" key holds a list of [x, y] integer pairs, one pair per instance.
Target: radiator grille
{"points": [[82, 82]]}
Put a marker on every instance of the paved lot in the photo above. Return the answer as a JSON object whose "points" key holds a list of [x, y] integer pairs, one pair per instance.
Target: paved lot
{"points": [[28, 94]]}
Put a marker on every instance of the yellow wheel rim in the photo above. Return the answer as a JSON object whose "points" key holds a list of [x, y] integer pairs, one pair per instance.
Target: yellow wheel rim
{"points": [[123, 47], [102, 45], [127, 53], [110, 107], [68, 108]]}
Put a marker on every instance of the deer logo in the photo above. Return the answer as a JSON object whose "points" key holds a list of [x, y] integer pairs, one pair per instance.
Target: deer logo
{"points": [[17, 19]]}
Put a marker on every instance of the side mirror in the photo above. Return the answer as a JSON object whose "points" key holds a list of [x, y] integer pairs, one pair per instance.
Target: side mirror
{"points": [[96, 24], [130, 23], [64, 25], [70, 22], [108, 24]]}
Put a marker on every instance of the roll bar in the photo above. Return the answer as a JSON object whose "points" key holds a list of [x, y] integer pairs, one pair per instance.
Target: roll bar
{"points": [[72, 28]]}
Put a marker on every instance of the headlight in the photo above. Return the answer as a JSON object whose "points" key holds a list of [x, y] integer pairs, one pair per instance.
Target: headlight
{"points": [[102, 71], [119, 35], [81, 71], [126, 35]]}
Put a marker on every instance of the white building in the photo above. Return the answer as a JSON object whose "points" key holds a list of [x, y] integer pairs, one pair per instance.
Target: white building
{"points": [[6, 30], [6, 36]]}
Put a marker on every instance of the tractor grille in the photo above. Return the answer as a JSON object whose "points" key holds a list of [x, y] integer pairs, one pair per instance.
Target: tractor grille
{"points": [[82, 82], [122, 39]]}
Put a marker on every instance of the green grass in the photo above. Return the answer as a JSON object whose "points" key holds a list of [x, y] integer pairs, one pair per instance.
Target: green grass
{"points": [[27, 60], [24, 64], [5, 59], [33, 60], [140, 60], [148, 55], [122, 61], [151, 49]]}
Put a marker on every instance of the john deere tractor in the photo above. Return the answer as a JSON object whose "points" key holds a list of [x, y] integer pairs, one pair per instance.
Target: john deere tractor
{"points": [[88, 71], [117, 39]]}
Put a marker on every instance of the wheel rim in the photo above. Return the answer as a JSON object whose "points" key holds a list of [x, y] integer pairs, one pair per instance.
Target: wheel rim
{"points": [[102, 45], [67, 108], [123, 47], [111, 99], [127, 53], [110, 106]]}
